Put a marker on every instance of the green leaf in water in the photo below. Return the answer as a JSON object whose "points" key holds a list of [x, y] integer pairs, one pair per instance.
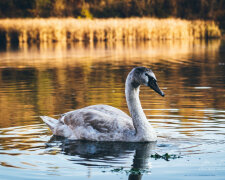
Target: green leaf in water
{"points": [[117, 169]]}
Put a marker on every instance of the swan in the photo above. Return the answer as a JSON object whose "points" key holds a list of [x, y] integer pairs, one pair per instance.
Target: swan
{"points": [[107, 123]]}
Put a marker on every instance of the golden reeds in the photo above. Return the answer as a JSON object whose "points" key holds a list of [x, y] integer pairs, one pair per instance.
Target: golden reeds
{"points": [[130, 29]]}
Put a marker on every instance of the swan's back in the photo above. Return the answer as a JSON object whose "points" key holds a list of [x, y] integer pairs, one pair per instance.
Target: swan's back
{"points": [[97, 123]]}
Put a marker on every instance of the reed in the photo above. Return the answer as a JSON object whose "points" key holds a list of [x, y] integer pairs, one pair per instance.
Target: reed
{"points": [[130, 29]]}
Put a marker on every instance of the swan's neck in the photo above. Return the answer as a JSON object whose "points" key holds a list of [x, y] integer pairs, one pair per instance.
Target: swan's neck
{"points": [[144, 130]]}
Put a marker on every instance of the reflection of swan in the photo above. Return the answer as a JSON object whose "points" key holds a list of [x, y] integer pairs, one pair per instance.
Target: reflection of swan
{"points": [[105, 154], [106, 123]]}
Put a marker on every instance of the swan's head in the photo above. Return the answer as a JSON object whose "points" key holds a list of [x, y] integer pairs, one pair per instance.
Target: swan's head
{"points": [[145, 76]]}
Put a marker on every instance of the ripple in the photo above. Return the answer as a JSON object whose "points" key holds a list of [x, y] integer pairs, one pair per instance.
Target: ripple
{"points": [[202, 87]]}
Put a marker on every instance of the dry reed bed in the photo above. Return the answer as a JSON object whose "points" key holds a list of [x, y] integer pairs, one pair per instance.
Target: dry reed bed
{"points": [[130, 29]]}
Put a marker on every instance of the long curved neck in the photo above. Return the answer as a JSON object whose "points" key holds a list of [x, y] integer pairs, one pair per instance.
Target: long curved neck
{"points": [[140, 122]]}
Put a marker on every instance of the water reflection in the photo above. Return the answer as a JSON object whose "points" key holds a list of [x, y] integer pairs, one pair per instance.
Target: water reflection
{"points": [[50, 79], [60, 55], [109, 154]]}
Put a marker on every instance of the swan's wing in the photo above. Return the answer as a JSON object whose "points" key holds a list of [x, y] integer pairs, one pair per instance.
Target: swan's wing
{"points": [[100, 118], [110, 110]]}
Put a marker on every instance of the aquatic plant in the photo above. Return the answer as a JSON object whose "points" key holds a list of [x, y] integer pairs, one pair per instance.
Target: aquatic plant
{"points": [[133, 171], [165, 156], [128, 29]]}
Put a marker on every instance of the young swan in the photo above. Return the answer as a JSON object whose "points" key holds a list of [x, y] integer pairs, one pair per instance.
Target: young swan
{"points": [[107, 123]]}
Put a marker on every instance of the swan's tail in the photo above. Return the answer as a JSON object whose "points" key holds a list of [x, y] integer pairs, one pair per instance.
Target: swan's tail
{"points": [[51, 122]]}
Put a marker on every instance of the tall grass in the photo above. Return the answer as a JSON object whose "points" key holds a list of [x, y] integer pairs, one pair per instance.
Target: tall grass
{"points": [[130, 29]]}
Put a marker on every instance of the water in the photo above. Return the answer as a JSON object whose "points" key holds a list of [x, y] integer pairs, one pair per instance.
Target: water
{"points": [[50, 79]]}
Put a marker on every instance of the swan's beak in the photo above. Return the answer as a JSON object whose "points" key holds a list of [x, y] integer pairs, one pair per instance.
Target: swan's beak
{"points": [[153, 84]]}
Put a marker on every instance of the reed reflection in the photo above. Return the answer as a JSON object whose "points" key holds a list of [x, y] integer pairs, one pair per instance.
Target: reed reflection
{"points": [[61, 55]]}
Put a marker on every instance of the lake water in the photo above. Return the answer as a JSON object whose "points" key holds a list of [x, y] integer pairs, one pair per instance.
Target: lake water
{"points": [[50, 79]]}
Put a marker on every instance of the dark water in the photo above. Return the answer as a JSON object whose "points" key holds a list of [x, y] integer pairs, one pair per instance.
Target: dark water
{"points": [[50, 79]]}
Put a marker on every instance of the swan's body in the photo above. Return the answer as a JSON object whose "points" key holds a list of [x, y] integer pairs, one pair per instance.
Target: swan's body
{"points": [[106, 123]]}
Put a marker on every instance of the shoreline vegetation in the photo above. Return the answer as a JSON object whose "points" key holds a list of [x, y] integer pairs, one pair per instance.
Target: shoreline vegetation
{"points": [[39, 30]]}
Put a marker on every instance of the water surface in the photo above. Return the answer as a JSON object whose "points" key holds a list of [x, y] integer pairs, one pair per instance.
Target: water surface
{"points": [[50, 79]]}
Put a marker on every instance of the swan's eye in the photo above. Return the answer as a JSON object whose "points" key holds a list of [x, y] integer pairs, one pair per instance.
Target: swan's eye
{"points": [[150, 78]]}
